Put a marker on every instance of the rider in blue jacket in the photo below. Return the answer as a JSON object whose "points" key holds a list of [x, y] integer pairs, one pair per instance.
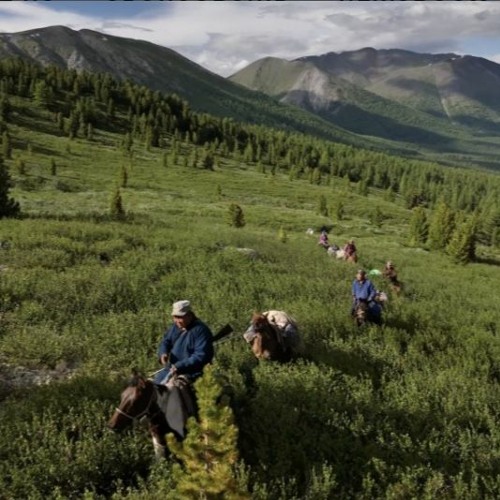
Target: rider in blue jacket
{"points": [[364, 290], [186, 346]]}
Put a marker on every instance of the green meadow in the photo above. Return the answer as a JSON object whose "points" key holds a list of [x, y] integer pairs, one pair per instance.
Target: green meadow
{"points": [[407, 410]]}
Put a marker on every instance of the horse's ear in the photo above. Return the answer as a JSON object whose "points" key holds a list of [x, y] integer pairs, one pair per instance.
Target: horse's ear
{"points": [[137, 377], [256, 315]]}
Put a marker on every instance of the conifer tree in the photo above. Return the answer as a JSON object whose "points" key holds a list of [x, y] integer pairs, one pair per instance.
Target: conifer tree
{"points": [[8, 206], [123, 177], [6, 146], [42, 94], [339, 210], [208, 161], [363, 188], [116, 210], [322, 206], [127, 142], [418, 228], [490, 225], [53, 167], [282, 235], [21, 166], [209, 453], [90, 131], [441, 226], [316, 176], [236, 217], [389, 194], [376, 217], [462, 246]]}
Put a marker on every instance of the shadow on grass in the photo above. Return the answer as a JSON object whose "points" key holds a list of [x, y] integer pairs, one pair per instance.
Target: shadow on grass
{"points": [[491, 261]]}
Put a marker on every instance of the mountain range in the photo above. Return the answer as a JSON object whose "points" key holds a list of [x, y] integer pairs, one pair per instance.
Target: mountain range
{"points": [[443, 107]]}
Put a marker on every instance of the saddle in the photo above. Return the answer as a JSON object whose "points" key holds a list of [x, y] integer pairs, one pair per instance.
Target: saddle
{"points": [[177, 402]]}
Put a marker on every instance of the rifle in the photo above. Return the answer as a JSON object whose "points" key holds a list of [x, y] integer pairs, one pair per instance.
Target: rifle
{"points": [[223, 332]]}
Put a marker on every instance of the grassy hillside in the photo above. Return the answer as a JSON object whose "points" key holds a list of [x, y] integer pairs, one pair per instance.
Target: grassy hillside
{"points": [[409, 410]]}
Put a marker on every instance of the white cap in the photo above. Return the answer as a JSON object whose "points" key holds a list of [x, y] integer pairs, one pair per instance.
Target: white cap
{"points": [[181, 308]]}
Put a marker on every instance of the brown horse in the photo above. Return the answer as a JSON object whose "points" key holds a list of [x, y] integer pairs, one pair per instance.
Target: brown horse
{"points": [[144, 399], [268, 342], [353, 258], [362, 314]]}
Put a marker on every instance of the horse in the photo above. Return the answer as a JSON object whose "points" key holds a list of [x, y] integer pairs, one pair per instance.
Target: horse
{"points": [[266, 338], [336, 252], [162, 406], [363, 313], [353, 258]]}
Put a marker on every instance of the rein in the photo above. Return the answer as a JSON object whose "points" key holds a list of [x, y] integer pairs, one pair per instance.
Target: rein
{"points": [[152, 400]]}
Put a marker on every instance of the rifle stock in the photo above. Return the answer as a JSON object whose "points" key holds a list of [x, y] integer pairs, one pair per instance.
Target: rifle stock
{"points": [[223, 332]]}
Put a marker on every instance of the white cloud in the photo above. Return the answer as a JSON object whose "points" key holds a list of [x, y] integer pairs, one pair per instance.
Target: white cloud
{"points": [[222, 36], [495, 58]]}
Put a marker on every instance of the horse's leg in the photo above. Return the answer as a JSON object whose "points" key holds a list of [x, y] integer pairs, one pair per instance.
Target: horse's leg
{"points": [[160, 446]]}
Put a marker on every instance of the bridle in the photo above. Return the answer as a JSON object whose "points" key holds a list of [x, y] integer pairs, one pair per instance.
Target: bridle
{"points": [[152, 399]]}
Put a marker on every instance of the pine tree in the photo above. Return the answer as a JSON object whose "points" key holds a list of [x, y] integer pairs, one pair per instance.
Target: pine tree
{"points": [[339, 210], [53, 167], [363, 188], [462, 246], [390, 195], [418, 228], [8, 206], [209, 453], [236, 217], [377, 217], [116, 210], [441, 226], [282, 235], [42, 94], [21, 166], [490, 225], [123, 177], [208, 161], [6, 146], [322, 206]]}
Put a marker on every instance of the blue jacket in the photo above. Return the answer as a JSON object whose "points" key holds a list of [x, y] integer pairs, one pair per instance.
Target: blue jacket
{"points": [[189, 350], [363, 291]]}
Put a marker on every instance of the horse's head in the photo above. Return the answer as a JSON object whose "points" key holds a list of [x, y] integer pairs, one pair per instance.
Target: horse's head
{"points": [[361, 312], [265, 344], [135, 403]]}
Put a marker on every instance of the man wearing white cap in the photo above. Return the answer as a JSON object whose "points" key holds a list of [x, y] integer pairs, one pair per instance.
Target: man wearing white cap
{"points": [[187, 345]]}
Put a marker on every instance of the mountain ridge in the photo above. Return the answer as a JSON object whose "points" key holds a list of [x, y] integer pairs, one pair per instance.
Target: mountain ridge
{"points": [[401, 111]]}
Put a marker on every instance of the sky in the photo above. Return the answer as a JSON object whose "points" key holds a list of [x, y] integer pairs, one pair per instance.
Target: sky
{"points": [[226, 36]]}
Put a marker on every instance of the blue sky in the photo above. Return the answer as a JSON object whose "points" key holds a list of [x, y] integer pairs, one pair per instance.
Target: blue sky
{"points": [[226, 36]]}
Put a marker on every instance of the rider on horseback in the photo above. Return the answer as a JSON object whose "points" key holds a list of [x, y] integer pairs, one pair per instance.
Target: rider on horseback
{"points": [[323, 239], [363, 290], [350, 249], [391, 275], [186, 346]]}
